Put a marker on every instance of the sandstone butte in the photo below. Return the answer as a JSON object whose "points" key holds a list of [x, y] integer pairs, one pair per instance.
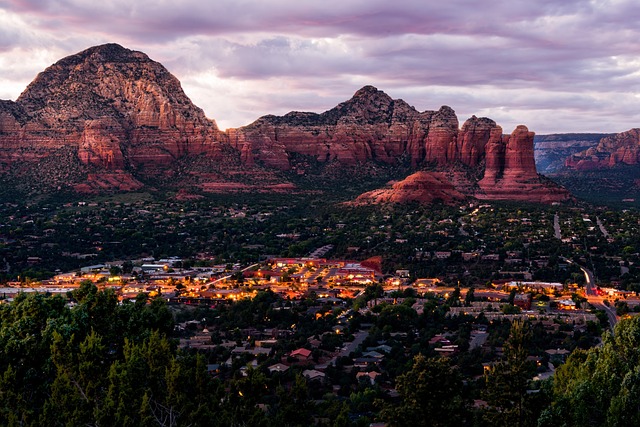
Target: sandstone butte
{"points": [[619, 149], [127, 118], [120, 111]]}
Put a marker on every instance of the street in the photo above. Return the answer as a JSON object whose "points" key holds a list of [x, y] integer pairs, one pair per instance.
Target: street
{"points": [[594, 299]]}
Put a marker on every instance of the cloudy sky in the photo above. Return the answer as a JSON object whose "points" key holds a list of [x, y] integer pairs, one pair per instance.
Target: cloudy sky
{"points": [[554, 65]]}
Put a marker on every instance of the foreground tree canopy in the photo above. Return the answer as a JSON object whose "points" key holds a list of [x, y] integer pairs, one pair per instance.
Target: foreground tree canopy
{"points": [[600, 386], [98, 362]]}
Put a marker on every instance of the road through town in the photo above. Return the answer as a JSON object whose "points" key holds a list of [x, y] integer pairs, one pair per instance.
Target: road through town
{"points": [[597, 300]]}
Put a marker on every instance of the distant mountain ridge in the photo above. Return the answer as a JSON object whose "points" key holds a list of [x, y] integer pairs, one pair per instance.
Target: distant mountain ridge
{"points": [[611, 151], [125, 119], [552, 150], [600, 168]]}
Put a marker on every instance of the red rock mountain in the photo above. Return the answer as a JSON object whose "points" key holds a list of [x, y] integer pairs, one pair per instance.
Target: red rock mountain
{"points": [[510, 171], [619, 149], [118, 109], [369, 126], [372, 126], [125, 118]]}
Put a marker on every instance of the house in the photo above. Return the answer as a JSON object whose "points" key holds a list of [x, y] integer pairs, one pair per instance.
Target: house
{"points": [[566, 304], [426, 283], [312, 374], [92, 268], [266, 343], [439, 339], [548, 287], [314, 342], [365, 362], [442, 254], [151, 268], [523, 301], [213, 369], [302, 354], [278, 367], [374, 354], [381, 348], [355, 272], [469, 256], [255, 351], [447, 350], [368, 376]]}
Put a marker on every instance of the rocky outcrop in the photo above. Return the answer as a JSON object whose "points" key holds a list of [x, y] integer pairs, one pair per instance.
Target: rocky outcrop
{"points": [[475, 134], [369, 126], [421, 187], [372, 126], [519, 162], [119, 181], [118, 108], [619, 149], [441, 138], [101, 143], [510, 172], [124, 118]]}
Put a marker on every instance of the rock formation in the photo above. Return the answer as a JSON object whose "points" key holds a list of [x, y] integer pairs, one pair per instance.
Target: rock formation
{"points": [[510, 171], [121, 110], [124, 118], [509, 174], [422, 187], [619, 149], [373, 127], [369, 126], [551, 151]]}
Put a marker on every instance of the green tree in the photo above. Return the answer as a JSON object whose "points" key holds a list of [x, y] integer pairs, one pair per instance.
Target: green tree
{"points": [[469, 297], [76, 389], [601, 386], [508, 380], [294, 406], [431, 395]]}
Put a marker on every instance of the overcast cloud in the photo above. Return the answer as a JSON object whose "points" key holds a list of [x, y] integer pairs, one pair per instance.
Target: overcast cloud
{"points": [[554, 65]]}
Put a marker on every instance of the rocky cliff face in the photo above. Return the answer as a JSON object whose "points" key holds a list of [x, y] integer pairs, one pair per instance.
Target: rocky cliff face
{"points": [[509, 174], [122, 115], [117, 107], [510, 171], [369, 126], [372, 126], [619, 149], [552, 150]]}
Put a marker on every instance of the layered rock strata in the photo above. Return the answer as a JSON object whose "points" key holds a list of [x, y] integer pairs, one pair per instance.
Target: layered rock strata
{"points": [[510, 171], [619, 149], [373, 127], [369, 126], [121, 110], [123, 115]]}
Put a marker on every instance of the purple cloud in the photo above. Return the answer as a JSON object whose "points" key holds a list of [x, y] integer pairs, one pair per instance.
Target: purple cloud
{"points": [[555, 65]]}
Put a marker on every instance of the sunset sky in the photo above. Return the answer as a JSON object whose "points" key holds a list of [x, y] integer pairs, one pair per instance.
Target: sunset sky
{"points": [[554, 65]]}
